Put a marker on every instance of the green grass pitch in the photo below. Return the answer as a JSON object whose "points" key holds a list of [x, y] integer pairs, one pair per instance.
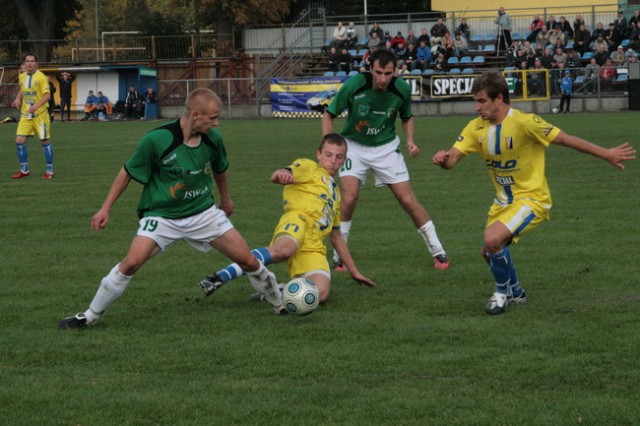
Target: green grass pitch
{"points": [[416, 350]]}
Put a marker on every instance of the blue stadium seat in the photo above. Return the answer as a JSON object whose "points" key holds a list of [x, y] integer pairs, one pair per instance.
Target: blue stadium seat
{"points": [[625, 43], [478, 60], [466, 60], [489, 37], [352, 73], [454, 71], [361, 52], [428, 72], [587, 56], [452, 60], [569, 45], [329, 74], [416, 72], [489, 48], [353, 52], [340, 74], [468, 71], [580, 79], [476, 38], [516, 36]]}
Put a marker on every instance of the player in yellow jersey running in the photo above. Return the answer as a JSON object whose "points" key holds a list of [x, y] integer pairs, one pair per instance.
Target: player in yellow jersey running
{"points": [[311, 204], [512, 144], [33, 101]]}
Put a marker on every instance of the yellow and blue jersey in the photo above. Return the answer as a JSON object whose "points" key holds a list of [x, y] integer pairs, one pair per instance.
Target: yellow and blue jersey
{"points": [[514, 155], [315, 193], [33, 87]]}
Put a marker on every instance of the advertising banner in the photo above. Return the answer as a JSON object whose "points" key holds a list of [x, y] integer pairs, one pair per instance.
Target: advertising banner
{"points": [[306, 97]]}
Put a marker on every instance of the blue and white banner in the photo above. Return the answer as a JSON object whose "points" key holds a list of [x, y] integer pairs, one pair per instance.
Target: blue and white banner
{"points": [[307, 97]]}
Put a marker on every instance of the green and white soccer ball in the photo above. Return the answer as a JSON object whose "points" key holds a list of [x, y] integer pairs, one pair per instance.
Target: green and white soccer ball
{"points": [[300, 296]]}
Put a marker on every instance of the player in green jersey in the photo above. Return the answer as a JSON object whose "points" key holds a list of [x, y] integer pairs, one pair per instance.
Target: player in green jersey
{"points": [[374, 101], [175, 163], [513, 145]]}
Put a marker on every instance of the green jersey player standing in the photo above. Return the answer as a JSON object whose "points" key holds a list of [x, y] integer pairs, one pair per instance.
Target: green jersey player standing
{"points": [[374, 101], [174, 163]]}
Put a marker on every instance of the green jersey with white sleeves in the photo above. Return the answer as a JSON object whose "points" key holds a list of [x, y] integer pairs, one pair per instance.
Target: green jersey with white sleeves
{"points": [[371, 119], [176, 177]]}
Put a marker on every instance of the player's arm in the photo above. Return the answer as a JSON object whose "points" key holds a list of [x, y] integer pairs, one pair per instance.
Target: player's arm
{"points": [[43, 100], [615, 156], [408, 127], [282, 177], [17, 102], [120, 183], [337, 240], [447, 159], [327, 123], [225, 204]]}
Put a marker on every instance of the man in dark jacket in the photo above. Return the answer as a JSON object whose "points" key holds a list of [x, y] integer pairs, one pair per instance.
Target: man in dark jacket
{"points": [[65, 80]]}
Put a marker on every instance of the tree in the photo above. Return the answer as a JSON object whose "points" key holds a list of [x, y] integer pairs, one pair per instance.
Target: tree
{"points": [[45, 20]]}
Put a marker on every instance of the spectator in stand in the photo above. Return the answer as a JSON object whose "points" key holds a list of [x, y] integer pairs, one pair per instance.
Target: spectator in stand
{"points": [[424, 36], [503, 21], [613, 37], [387, 38], [90, 106], [439, 63], [547, 58], [333, 61], [387, 46], [542, 39], [618, 56], [573, 61], [529, 51], [557, 36], [399, 51], [411, 38], [566, 88], [437, 32], [608, 73], [460, 44], [599, 44], [634, 38], [399, 38], [521, 61], [352, 36], [581, 39], [535, 27], [103, 106], [132, 104], [512, 53], [464, 29], [554, 79], [345, 60], [577, 22], [375, 28], [565, 27], [448, 46], [621, 25], [536, 81], [560, 56], [630, 58], [374, 41], [149, 97], [423, 55], [339, 36], [599, 29], [402, 69], [592, 75], [602, 54], [64, 81], [365, 64], [551, 23], [633, 21], [410, 56]]}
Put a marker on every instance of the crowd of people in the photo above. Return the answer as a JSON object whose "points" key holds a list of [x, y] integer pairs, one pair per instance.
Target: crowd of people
{"points": [[555, 45]]}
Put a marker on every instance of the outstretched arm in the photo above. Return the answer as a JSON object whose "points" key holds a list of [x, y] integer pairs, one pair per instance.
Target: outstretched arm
{"points": [[327, 123], [120, 183], [447, 159], [225, 204], [282, 177], [615, 156], [337, 240]]}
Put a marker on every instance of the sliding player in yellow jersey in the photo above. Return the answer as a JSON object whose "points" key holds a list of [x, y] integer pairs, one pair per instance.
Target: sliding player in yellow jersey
{"points": [[512, 144]]}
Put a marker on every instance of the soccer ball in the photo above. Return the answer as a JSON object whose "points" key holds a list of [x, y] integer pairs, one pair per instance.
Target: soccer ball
{"points": [[555, 110], [300, 296]]}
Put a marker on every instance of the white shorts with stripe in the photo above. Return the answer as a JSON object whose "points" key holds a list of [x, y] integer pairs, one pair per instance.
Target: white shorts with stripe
{"points": [[386, 161], [197, 230]]}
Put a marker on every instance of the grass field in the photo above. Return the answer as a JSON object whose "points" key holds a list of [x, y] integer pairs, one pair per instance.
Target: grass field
{"points": [[416, 350]]}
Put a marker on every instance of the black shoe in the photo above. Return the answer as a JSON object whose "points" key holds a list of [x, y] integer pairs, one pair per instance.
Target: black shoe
{"points": [[210, 284], [76, 321]]}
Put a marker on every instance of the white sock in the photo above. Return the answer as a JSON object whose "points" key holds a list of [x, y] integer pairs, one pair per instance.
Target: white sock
{"points": [[428, 233], [111, 287], [345, 228]]}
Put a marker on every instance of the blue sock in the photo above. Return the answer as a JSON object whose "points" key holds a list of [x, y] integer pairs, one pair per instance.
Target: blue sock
{"points": [[23, 154], [515, 287], [501, 267], [233, 271], [48, 156]]}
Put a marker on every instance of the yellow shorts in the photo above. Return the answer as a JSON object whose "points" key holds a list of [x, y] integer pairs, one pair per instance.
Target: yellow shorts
{"points": [[312, 253], [40, 125], [520, 217]]}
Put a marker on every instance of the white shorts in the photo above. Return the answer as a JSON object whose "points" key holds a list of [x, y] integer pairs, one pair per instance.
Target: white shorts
{"points": [[198, 230], [386, 161]]}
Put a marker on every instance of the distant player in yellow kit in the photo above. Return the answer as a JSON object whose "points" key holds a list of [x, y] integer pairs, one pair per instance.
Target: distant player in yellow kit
{"points": [[512, 144], [311, 203], [33, 101]]}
